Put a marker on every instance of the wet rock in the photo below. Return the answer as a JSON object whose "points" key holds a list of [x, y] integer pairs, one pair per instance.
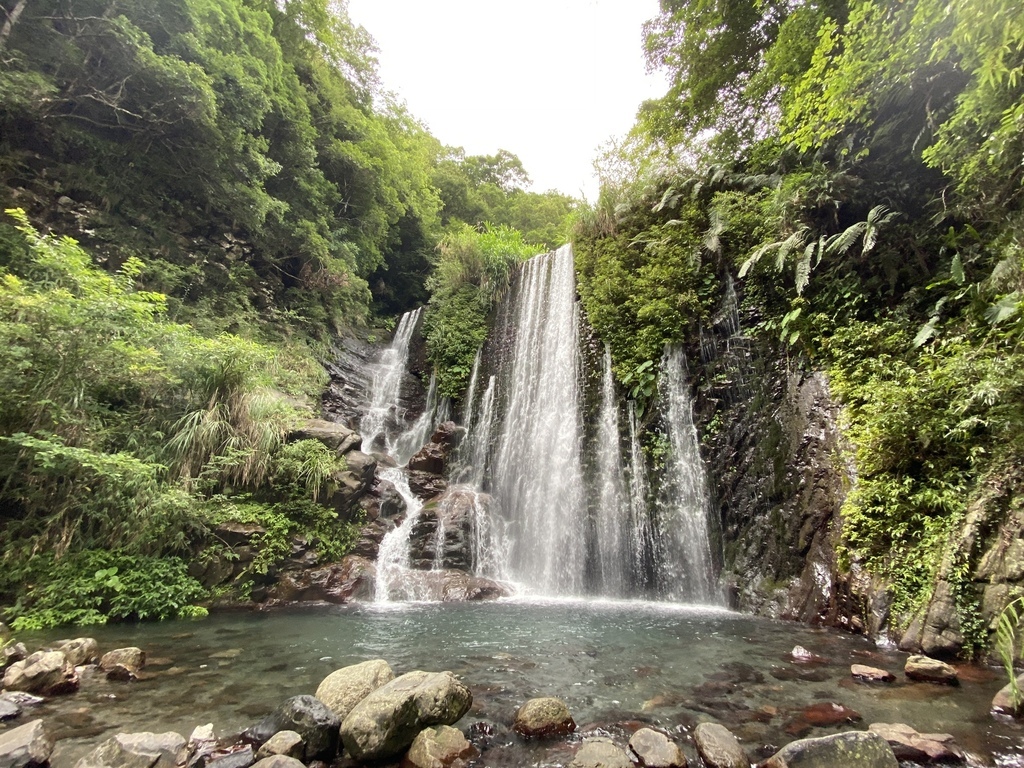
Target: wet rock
{"points": [[855, 749], [871, 674], [930, 670], [8, 710], [279, 761], [240, 756], [12, 653], [448, 522], [804, 656], [81, 650], [48, 673], [351, 579], [430, 458], [439, 747], [386, 722], [201, 742], [936, 630], [21, 698], [821, 715], [542, 717], [344, 688], [426, 485], [137, 750], [924, 748], [287, 743], [123, 663], [337, 437], [307, 716], [448, 435], [718, 748], [363, 465], [656, 750], [600, 753], [26, 746], [1003, 703]]}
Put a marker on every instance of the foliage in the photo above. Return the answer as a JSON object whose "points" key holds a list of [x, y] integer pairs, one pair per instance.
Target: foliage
{"points": [[93, 586], [1007, 642]]}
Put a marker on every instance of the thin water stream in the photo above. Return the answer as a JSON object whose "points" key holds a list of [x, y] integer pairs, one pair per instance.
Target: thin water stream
{"points": [[617, 664]]}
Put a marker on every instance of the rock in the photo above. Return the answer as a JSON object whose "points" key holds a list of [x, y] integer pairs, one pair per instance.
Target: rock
{"points": [[718, 748], [8, 710], [123, 663], [337, 437], [426, 485], [351, 579], [81, 650], [542, 717], [12, 653], [439, 747], [386, 722], [1002, 702], [287, 743], [25, 746], [307, 716], [136, 750], [871, 674], [925, 748], [201, 743], [930, 670], [344, 688], [854, 749], [656, 750], [448, 434], [801, 654], [430, 458], [820, 715], [48, 673], [239, 756], [21, 698], [279, 761], [600, 753], [363, 465]]}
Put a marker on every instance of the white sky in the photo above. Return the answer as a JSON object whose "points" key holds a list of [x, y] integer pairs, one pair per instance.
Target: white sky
{"points": [[548, 80]]}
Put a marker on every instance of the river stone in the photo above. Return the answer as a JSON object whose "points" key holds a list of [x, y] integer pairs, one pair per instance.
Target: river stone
{"points": [[123, 663], [542, 717], [925, 748], [386, 722], [81, 650], [439, 747], [25, 746], [1002, 702], [8, 710], [287, 743], [930, 670], [600, 753], [48, 673], [307, 716], [12, 653], [344, 688], [854, 749], [279, 761], [656, 750], [718, 748], [871, 674], [136, 750]]}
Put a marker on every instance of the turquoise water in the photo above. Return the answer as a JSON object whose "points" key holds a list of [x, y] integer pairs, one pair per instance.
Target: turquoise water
{"points": [[617, 665]]}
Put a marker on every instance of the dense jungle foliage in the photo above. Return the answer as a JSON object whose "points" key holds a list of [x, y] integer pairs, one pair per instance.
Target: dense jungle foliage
{"points": [[856, 167], [240, 188]]}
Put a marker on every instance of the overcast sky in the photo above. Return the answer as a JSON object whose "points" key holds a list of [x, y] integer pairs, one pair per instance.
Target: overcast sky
{"points": [[548, 80]]}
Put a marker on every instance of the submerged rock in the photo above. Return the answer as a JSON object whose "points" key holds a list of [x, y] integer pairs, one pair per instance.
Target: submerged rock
{"points": [[26, 746], [925, 669], [925, 748], [656, 750], [542, 717], [718, 748], [307, 716], [600, 753], [855, 749], [871, 674], [344, 688], [48, 673], [131, 750], [387, 721]]}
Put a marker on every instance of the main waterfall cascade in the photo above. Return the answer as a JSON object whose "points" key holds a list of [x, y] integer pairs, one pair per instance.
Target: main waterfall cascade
{"points": [[571, 510]]}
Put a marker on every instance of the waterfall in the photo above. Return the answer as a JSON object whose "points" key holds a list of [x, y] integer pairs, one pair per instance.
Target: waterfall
{"points": [[411, 440], [644, 550], [612, 513], [685, 569], [383, 413], [477, 442], [393, 556], [467, 412], [537, 475]]}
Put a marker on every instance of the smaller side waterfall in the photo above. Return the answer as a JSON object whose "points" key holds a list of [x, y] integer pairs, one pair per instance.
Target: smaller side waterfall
{"points": [[612, 514], [393, 557], [412, 439], [381, 416], [686, 570], [644, 550]]}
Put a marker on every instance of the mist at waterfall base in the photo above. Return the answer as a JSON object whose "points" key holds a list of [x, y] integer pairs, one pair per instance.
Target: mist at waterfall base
{"points": [[569, 509]]}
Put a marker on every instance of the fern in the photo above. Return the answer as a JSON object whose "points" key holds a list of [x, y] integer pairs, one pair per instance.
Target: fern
{"points": [[1006, 644]]}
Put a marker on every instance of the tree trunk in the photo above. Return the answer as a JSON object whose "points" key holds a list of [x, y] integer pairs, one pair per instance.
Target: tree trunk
{"points": [[12, 19]]}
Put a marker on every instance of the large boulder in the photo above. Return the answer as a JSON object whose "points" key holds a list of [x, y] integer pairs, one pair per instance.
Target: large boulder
{"points": [[923, 748], [48, 673], [26, 746], [430, 458], [123, 663], [1003, 702], [439, 747], [81, 650], [344, 688], [426, 485], [337, 437], [718, 748], [137, 750], [542, 717], [278, 761], [386, 722], [12, 652], [925, 669], [351, 579], [600, 753], [854, 749], [445, 529], [307, 716], [652, 749]]}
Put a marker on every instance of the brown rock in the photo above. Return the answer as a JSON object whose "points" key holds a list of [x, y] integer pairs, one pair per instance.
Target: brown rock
{"points": [[600, 753], [926, 748], [871, 674], [430, 458], [439, 747], [123, 663], [542, 717], [1003, 702], [81, 650], [337, 437], [718, 748], [821, 715], [656, 750], [344, 688], [286, 743], [48, 673], [351, 579], [929, 670]]}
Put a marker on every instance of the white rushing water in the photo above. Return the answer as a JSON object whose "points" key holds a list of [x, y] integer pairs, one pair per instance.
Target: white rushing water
{"points": [[382, 414], [644, 551], [612, 513], [537, 475]]}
